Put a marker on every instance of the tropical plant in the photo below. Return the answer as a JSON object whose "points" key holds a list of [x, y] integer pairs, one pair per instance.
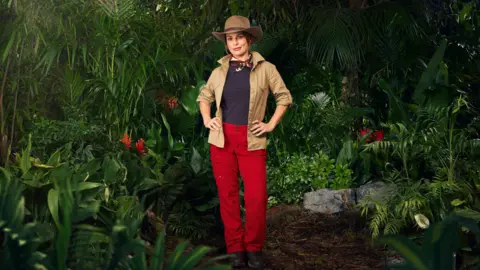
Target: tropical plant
{"points": [[423, 149], [438, 246], [76, 239], [301, 173]]}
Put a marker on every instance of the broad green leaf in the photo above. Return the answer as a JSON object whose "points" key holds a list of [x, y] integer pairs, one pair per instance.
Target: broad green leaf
{"points": [[9, 46], [54, 159], [195, 256], [111, 169], [158, 252], [88, 169], [196, 161], [444, 242], [397, 111], [53, 206], [87, 185], [407, 249], [177, 256], [428, 76], [469, 213], [189, 98], [167, 125]]}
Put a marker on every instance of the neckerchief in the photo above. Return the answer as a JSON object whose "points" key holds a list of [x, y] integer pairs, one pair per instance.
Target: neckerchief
{"points": [[241, 64]]}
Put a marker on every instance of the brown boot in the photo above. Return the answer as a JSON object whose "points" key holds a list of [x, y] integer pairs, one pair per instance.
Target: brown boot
{"points": [[255, 260], [237, 259]]}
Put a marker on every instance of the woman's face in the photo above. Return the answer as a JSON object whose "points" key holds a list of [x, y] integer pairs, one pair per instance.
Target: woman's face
{"points": [[238, 45]]}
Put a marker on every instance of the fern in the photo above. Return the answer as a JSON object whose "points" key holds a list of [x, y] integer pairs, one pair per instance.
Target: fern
{"points": [[89, 245], [191, 225], [394, 226], [120, 10]]}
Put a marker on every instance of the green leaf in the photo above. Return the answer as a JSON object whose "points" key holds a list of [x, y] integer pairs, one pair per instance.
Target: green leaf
{"points": [[53, 206], [9, 46], [86, 210], [178, 146], [54, 159], [442, 243], [169, 132], [25, 163], [88, 169], [397, 111], [196, 161], [189, 98], [428, 76], [158, 252], [407, 249], [469, 213], [111, 167], [206, 206], [87, 185], [176, 256], [195, 256], [457, 202], [466, 11]]}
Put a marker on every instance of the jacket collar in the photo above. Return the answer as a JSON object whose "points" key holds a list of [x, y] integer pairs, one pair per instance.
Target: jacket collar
{"points": [[257, 58]]}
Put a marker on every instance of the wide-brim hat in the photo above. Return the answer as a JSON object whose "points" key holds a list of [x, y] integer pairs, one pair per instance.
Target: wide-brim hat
{"points": [[239, 24]]}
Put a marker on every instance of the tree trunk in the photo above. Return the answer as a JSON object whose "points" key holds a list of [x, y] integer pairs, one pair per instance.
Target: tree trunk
{"points": [[351, 89], [2, 90]]}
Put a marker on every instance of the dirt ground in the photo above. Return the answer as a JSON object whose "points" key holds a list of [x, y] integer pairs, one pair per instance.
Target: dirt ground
{"points": [[297, 239]]}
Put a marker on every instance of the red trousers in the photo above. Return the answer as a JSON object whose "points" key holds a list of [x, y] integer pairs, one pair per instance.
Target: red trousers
{"points": [[226, 163]]}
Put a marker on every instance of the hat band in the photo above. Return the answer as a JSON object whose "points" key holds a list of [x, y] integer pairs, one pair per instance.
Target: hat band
{"points": [[234, 29]]}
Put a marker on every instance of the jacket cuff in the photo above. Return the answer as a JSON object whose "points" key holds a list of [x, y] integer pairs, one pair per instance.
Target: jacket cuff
{"points": [[201, 98]]}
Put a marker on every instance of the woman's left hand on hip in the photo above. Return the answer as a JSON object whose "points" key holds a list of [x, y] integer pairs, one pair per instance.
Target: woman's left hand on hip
{"points": [[260, 128]]}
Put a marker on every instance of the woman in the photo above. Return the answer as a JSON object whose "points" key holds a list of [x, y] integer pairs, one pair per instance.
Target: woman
{"points": [[237, 138]]}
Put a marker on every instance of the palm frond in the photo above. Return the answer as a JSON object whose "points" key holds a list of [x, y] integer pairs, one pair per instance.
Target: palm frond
{"points": [[120, 10], [337, 35], [189, 224], [88, 247]]}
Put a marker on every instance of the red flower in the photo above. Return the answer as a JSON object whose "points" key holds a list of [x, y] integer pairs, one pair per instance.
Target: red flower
{"points": [[172, 102], [126, 141], [140, 145], [364, 132], [376, 135]]}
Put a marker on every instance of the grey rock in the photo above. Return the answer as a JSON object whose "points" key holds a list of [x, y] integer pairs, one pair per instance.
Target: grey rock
{"points": [[370, 189], [329, 201]]}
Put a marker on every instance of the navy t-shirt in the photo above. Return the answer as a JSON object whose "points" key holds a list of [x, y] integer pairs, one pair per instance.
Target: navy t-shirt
{"points": [[236, 96]]}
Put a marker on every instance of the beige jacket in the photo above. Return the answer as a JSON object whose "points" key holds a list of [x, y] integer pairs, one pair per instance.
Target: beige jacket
{"points": [[263, 77]]}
